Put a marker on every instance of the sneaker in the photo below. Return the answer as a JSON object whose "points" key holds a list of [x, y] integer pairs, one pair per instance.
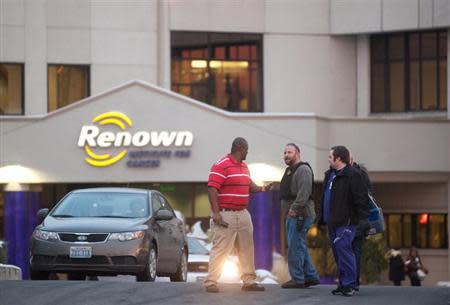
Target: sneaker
{"points": [[337, 290], [311, 282], [348, 291], [292, 284], [356, 288], [212, 288], [252, 287]]}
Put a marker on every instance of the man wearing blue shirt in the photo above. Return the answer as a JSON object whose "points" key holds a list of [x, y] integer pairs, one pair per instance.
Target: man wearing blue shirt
{"points": [[343, 208]]}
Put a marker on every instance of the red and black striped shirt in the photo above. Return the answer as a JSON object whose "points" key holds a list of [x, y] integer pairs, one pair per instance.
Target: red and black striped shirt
{"points": [[232, 180]]}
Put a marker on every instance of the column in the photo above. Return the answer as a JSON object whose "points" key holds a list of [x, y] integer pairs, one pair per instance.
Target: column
{"points": [[277, 224], [363, 76], [21, 203], [448, 227], [448, 75], [163, 45], [261, 210]]}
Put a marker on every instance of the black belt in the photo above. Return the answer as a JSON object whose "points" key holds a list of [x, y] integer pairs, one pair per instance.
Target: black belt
{"points": [[230, 210]]}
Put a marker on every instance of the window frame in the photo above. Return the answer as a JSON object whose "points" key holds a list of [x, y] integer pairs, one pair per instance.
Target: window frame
{"points": [[210, 56], [407, 61], [414, 230], [88, 80], [22, 91]]}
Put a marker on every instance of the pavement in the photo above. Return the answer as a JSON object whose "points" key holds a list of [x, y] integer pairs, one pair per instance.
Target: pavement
{"points": [[139, 293]]}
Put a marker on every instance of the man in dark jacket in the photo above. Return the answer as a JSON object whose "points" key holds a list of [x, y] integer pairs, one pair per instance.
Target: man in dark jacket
{"points": [[296, 190], [361, 229], [343, 208]]}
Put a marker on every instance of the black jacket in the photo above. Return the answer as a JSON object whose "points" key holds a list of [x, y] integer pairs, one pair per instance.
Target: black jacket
{"points": [[348, 204], [396, 268]]}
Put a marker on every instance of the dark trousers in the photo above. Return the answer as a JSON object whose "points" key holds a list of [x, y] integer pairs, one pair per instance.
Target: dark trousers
{"points": [[415, 281], [357, 249], [341, 239]]}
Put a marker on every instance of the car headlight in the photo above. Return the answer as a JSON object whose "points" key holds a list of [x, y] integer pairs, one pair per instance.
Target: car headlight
{"points": [[124, 236], [45, 235]]}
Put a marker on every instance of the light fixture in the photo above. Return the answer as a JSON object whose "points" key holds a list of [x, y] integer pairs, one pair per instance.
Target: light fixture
{"points": [[218, 64]]}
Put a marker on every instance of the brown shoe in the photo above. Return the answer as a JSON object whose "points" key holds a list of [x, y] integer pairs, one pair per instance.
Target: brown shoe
{"points": [[252, 287], [292, 284], [311, 282], [212, 288]]}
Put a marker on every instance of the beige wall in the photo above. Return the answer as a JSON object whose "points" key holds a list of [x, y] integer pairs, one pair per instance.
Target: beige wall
{"points": [[305, 69], [412, 197], [322, 77], [367, 16], [384, 145]]}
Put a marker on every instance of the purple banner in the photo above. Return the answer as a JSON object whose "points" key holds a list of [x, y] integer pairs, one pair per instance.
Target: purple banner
{"points": [[261, 210], [276, 221], [20, 219]]}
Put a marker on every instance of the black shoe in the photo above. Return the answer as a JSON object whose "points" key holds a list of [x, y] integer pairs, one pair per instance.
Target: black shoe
{"points": [[356, 288], [212, 288], [348, 291], [337, 290], [252, 287], [292, 284], [311, 282]]}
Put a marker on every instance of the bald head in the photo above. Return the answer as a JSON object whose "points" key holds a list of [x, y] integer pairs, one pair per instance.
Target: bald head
{"points": [[239, 148]]}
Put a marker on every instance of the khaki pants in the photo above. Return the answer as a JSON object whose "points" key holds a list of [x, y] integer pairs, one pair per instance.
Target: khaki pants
{"points": [[239, 232]]}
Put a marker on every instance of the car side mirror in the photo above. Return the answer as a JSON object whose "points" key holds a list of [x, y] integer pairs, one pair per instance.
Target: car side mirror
{"points": [[164, 215], [41, 214]]}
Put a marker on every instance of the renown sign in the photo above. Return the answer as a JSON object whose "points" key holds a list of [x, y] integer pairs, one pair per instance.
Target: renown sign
{"points": [[91, 137]]}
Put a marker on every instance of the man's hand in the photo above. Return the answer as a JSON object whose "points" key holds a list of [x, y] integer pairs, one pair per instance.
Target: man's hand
{"points": [[267, 187], [216, 217], [292, 213]]}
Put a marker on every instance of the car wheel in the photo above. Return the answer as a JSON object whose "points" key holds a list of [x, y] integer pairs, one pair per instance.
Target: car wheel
{"points": [[39, 275], [149, 274], [181, 274], [76, 276]]}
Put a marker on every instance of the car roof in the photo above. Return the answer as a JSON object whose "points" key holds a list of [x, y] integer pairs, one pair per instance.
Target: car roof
{"points": [[113, 190]]}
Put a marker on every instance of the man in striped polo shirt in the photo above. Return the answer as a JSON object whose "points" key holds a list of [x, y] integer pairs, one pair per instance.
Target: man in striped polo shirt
{"points": [[229, 188]]}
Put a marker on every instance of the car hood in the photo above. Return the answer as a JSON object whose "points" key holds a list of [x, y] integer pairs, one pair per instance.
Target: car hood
{"points": [[93, 224]]}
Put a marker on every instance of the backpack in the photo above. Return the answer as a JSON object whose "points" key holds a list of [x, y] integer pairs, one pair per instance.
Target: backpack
{"points": [[285, 184], [376, 218]]}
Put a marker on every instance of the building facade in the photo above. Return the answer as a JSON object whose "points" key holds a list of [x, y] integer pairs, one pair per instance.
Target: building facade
{"points": [[151, 93]]}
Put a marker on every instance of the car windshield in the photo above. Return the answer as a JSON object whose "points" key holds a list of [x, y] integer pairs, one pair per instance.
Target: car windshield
{"points": [[103, 204], [196, 247]]}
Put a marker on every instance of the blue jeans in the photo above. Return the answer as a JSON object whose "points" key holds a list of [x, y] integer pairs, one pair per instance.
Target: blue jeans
{"points": [[300, 265], [341, 239]]}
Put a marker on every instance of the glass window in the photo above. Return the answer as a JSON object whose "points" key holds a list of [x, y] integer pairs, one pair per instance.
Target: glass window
{"points": [[395, 231], [409, 72], [220, 69], [11, 89], [66, 85], [420, 230], [156, 203], [438, 231], [406, 230]]}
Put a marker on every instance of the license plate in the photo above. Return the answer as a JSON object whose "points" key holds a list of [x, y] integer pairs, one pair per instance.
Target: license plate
{"points": [[80, 252]]}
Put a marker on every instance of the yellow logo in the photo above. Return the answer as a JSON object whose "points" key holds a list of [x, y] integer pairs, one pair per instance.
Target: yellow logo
{"points": [[108, 118], [92, 137]]}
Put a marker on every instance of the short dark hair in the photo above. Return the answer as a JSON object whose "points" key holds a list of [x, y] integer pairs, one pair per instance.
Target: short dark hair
{"points": [[295, 146], [342, 153], [238, 144]]}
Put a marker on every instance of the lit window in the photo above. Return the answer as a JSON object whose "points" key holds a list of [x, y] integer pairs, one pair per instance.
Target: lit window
{"points": [[11, 89], [221, 69], [66, 84]]}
